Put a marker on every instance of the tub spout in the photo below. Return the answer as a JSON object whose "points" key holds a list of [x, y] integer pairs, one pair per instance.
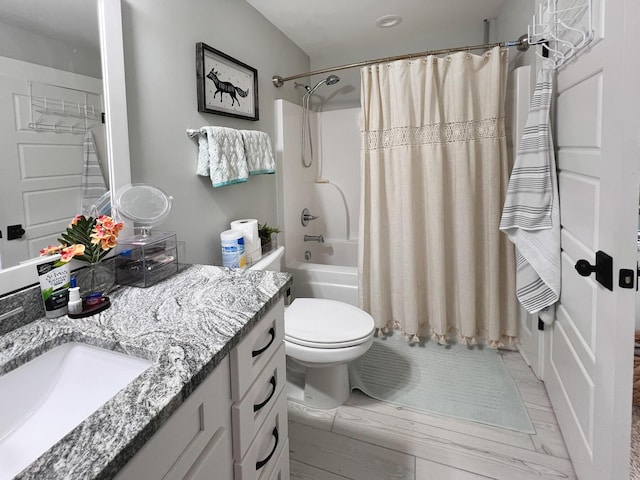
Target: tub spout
{"points": [[314, 238]]}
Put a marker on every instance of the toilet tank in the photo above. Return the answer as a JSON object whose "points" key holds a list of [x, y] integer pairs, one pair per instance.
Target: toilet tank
{"points": [[271, 261]]}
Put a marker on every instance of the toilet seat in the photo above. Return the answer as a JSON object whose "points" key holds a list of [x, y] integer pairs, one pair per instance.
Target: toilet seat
{"points": [[325, 324]]}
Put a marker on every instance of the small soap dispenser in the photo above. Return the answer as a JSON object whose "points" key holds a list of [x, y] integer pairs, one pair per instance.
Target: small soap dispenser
{"points": [[75, 302]]}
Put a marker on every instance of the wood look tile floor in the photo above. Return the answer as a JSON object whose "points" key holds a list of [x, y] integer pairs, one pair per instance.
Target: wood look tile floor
{"points": [[366, 439]]}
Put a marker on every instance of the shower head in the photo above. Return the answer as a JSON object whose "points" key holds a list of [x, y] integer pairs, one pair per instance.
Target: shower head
{"points": [[330, 80]]}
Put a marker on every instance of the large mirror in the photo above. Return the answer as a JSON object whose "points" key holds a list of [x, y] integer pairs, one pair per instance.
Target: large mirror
{"points": [[93, 17]]}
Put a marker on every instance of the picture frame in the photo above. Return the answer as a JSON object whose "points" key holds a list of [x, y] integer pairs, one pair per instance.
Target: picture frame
{"points": [[226, 86]]}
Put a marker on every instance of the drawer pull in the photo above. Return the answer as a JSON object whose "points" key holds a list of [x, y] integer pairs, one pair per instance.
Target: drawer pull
{"points": [[272, 332], [262, 463], [260, 405]]}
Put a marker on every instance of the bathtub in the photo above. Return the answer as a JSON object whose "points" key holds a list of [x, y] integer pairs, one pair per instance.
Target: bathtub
{"points": [[333, 282], [331, 252]]}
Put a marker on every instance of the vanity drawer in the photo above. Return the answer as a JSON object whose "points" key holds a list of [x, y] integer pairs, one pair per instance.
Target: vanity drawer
{"points": [[281, 469], [196, 434], [250, 356], [264, 452], [250, 413]]}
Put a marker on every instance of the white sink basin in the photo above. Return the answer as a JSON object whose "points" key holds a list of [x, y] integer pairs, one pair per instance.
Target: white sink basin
{"points": [[44, 399]]}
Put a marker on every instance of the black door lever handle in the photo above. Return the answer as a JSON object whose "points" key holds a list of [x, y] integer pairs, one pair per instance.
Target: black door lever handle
{"points": [[584, 268], [603, 269]]}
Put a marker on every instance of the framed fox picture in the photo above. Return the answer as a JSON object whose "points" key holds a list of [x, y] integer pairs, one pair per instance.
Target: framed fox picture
{"points": [[226, 86]]}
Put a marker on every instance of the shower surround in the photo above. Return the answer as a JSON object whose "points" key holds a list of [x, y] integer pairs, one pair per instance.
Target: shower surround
{"points": [[336, 143]]}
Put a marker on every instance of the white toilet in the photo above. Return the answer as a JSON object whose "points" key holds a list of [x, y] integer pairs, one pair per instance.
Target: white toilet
{"points": [[321, 337]]}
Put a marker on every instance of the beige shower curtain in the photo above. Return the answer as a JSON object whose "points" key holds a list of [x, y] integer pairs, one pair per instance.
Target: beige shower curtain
{"points": [[434, 171]]}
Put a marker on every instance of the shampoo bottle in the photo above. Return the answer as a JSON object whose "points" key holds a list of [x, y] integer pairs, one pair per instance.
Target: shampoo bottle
{"points": [[75, 302]]}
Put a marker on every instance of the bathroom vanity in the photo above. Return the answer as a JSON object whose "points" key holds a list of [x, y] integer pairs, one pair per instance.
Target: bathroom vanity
{"points": [[211, 405]]}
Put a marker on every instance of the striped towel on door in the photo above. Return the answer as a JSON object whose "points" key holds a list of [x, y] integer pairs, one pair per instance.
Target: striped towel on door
{"points": [[93, 184], [531, 213]]}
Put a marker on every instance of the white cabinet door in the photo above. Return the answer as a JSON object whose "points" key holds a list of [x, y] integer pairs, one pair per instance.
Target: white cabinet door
{"points": [[588, 366], [195, 442], [214, 461]]}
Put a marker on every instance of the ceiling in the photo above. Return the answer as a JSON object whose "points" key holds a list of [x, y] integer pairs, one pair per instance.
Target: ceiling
{"points": [[320, 27]]}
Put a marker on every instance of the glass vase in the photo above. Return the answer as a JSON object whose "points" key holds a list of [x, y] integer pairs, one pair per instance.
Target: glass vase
{"points": [[96, 277]]}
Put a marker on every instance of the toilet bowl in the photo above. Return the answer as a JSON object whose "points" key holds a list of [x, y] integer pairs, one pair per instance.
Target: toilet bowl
{"points": [[321, 338]]}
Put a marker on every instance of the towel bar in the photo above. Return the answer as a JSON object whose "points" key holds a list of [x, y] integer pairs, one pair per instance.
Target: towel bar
{"points": [[192, 132]]}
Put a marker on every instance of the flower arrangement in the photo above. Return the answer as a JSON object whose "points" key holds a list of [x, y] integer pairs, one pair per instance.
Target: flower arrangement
{"points": [[86, 238]]}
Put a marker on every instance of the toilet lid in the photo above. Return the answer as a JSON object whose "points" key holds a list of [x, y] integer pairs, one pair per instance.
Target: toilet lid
{"points": [[320, 323]]}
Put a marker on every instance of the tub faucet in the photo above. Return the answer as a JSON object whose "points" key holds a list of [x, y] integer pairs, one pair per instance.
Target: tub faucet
{"points": [[314, 238]]}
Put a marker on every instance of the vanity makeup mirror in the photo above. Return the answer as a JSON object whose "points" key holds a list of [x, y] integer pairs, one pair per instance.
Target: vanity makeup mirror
{"points": [[116, 142]]}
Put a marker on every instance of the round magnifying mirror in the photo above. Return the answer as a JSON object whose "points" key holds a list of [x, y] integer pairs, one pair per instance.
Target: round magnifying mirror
{"points": [[146, 205]]}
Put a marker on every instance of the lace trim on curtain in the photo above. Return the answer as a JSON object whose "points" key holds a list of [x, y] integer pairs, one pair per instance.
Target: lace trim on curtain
{"points": [[434, 134], [481, 338]]}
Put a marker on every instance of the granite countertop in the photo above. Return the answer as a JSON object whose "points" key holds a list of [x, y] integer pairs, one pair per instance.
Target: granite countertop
{"points": [[185, 324]]}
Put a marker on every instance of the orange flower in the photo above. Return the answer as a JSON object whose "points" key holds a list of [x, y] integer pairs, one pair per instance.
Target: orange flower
{"points": [[90, 238], [98, 233], [71, 251], [109, 242], [50, 250], [108, 223]]}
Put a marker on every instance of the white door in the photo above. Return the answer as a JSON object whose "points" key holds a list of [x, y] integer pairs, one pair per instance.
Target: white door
{"points": [[530, 344], [41, 171], [588, 366]]}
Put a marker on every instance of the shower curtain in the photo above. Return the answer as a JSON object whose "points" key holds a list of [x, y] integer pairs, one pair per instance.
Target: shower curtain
{"points": [[434, 171]]}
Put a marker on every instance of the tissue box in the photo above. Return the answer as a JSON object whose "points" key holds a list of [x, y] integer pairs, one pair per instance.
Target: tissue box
{"points": [[144, 260]]}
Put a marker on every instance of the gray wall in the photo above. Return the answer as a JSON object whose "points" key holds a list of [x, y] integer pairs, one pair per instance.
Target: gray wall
{"points": [[159, 40], [30, 47], [159, 43], [346, 94], [510, 24]]}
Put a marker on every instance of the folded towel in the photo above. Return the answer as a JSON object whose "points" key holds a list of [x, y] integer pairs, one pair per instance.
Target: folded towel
{"points": [[93, 184], [257, 147], [221, 156], [531, 213]]}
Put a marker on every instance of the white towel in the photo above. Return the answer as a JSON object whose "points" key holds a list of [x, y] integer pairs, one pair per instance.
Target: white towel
{"points": [[257, 147], [221, 156], [93, 184], [531, 213]]}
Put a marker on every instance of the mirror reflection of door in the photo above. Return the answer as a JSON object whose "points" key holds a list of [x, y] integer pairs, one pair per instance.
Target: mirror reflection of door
{"points": [[49, 62]]}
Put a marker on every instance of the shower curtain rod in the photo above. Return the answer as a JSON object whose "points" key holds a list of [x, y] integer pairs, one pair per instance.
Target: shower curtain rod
{"points": [[522, 44]]}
